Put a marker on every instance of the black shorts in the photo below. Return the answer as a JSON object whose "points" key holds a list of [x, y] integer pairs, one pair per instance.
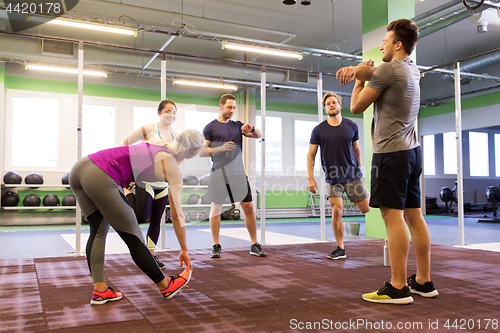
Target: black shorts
{"points": [[395, 179], [238, 184]]}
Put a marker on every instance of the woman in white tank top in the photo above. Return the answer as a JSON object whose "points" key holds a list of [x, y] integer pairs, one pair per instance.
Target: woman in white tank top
{"points": [[150, 199]]}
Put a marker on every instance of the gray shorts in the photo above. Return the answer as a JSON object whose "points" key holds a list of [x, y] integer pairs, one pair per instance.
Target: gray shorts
{"points": [[355, 190]]}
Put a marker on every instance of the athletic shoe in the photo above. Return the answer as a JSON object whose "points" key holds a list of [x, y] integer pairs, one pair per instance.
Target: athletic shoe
{"points": [[101, 297], [176, 283], [425, 290], [389, 294], [216, 251], [338, 253], [160, 264], [256, 250]]}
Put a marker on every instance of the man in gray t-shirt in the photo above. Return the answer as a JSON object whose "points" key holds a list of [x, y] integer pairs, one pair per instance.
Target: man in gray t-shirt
{"points": [[394, 90]]}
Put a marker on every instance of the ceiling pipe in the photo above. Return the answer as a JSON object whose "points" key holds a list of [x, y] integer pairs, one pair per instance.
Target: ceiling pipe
{"points": [[474, 65], [164, 12]]}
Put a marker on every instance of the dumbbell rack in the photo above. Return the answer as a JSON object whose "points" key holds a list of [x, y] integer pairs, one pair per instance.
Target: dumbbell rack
{"points": [[35, 186]]}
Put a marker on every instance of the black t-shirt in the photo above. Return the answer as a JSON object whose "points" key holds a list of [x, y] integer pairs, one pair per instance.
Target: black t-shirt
{"points": [[218, 134], [337, 156]]}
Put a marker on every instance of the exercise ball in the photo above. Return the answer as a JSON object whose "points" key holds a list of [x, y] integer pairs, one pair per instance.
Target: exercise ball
{"points": [[194, 199], [65, 180], [204, 179], [12, 177], [224, 215], [69, 200], [446, 194], [190, 180], [492, 194], [31, 200], [205, 200], [50, 200], [33, 178], [10, 199]]}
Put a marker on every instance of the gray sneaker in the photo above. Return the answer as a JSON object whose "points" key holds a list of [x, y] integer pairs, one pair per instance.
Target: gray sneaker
{"points": [[256, 250], [338, 253], [216, 251]]}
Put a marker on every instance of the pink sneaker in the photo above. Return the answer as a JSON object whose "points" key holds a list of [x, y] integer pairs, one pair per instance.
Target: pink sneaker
{"points": [[176, 283]]}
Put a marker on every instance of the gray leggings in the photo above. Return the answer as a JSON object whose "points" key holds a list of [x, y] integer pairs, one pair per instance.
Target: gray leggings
{"points": [[103, 203]]}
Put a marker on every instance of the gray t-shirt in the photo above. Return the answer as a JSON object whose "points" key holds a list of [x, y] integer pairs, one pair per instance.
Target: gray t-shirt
{"points": [[395, 111]]}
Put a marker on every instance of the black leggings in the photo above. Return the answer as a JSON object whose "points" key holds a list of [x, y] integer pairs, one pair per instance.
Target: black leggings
{"points": [[104, 204], [149, 204]]}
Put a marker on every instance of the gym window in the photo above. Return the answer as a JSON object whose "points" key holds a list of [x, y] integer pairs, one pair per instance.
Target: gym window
{"points": [[98, 128], [429, 155], [38, 117], [274, 146], [478, 154], [302, 135], [199, 119], [450, 153], [144, 115], [497, 154]]}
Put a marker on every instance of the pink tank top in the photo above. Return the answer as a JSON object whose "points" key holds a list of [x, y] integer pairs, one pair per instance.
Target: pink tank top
{"points": [[126, 164]]}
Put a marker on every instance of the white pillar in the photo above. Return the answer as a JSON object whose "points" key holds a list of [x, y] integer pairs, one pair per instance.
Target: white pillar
{"points": [[263, 164], [78, 221], [460, 177], [321, 172]]}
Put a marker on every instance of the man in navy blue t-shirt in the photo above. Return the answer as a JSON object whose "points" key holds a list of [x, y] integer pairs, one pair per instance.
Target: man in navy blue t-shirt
{"points": [[224, 143], [341, 161]]}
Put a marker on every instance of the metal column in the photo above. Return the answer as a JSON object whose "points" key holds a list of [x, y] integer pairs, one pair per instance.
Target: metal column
{"points": [[460, 177], [163, 94], [78, 221], [321, 182], [263, 164]]}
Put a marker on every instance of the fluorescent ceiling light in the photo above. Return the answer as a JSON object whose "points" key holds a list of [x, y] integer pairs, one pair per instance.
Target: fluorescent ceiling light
{"points": [[264, 50], [98, 27], [206, 84], [65, 70]]}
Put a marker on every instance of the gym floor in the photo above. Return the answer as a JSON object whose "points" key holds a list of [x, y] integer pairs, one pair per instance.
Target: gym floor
{"points": [[43, 289]]}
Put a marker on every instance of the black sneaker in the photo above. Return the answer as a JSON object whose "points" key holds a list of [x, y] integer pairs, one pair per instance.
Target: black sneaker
{"points": [[216, 251], [425, 290], [256, 250], [160, 264], [338, 253], [389, 294]]}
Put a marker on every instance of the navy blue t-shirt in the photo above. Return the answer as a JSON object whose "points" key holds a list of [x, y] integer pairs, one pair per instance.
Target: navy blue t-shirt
{"points": [[218, 134], [337, 156]]}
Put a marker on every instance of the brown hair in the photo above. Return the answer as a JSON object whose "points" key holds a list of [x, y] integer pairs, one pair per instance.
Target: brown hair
{"points": [[164, 103], [225, 97], [405, 31], [330, 94]]}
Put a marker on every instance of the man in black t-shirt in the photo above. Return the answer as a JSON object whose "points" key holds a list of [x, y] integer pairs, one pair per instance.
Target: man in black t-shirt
{"points": [[223, 143], [341, 161]]}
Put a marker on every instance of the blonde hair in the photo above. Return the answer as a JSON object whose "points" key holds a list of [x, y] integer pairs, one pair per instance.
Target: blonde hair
{"points": [[330, 94], [190, 139]]}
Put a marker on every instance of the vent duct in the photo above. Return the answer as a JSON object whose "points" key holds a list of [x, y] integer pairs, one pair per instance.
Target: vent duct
{"points": [[58, 48], [475, 65], [297, 76]]}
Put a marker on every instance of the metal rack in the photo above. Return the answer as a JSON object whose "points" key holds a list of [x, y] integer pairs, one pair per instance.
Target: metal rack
{"points": [[349, 208]]}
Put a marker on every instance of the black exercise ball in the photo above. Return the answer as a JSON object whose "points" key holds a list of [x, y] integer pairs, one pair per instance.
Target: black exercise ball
{"points": [[194, 199], [205, 200], [10, 199], [69, 200], [446, 194], [33, 178], [12, 177], [190, 180], [224, 215], [65, 180], [204, 179], [492, 194], [31, 200], [50, 200]]}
